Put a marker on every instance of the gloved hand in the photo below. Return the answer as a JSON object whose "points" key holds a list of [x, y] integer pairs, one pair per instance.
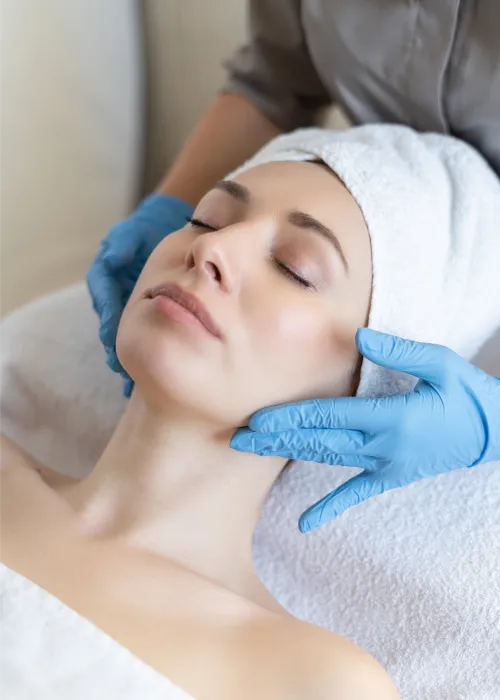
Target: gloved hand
{"points": [[119, 262], [450, 420]]}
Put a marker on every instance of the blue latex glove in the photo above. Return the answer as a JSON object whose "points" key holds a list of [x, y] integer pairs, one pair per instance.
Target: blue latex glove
{"points": [[450, 420], [119, 262]]}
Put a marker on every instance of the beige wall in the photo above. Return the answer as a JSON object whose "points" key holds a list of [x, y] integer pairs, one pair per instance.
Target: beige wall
{"points": [[69, 136]]}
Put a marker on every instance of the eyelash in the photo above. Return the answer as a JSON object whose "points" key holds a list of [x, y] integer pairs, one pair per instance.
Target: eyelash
{"points": [[197, 223], [284, 269], [288, 272]]}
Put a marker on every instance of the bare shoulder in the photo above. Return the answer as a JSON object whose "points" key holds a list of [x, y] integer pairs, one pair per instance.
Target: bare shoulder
{"points": [[33, 516], [13, 459], [12, 455], [330, 666]]}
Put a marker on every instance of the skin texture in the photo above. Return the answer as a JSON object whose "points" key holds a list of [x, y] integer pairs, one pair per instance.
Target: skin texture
{"points": [[155, 544]]}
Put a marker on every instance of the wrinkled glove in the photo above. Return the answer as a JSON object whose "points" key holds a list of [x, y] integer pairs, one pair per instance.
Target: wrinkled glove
{"points": [[119, 262], [450, 420]]}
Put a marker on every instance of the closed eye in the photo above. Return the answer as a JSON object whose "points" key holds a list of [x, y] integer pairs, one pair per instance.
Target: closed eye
{"points": [[284, 269], [288, 272], [198, 223]]}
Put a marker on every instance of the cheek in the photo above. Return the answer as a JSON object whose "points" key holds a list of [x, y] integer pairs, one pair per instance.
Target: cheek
{"points": [[147, 279], [307, 327], [170, 254], [307, 345]]}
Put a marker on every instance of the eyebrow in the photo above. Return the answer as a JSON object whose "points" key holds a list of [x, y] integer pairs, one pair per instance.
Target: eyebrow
{"points": [[237, 191], [295, 217], [303, 220]]}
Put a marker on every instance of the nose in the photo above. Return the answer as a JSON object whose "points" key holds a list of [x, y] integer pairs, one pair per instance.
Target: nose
{"points": [[220, 255]]}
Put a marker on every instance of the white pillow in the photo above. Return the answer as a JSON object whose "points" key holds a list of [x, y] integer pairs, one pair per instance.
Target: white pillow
{"points": [[59, 399]]}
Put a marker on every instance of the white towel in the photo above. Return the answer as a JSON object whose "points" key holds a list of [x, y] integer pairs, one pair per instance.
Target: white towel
{"points": [[50, 652], [413, 575], [432, 207], [59, 399]]}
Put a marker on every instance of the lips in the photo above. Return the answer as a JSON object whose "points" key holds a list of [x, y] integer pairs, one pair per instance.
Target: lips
{"points": [[189, 301]]}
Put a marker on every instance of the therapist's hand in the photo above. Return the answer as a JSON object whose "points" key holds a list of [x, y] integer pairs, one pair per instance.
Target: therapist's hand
{"points": [[450, 420], [119, 262]]}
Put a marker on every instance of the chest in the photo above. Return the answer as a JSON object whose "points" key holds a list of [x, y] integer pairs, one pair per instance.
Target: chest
{"points": [[197, 635]]}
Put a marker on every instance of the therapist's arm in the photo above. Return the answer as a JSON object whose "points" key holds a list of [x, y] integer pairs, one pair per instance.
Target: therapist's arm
{"points": [[231, 131], [272, 86]]}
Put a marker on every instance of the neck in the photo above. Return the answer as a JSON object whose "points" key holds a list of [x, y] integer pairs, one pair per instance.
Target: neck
{"points": [[175, 488]]}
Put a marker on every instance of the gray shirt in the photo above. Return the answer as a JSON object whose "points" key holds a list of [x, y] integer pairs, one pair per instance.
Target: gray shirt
{"points": [[434, 65]]}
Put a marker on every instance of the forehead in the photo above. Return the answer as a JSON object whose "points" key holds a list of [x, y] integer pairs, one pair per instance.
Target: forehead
{"points": [[306, 186], [292, 178]]}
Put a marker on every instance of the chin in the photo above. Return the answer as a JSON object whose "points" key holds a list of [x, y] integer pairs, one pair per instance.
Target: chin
{"points": [[172, 376]]}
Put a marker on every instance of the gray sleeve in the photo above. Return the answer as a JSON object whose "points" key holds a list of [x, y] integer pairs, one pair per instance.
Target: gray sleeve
{"points": [[274, 69]]}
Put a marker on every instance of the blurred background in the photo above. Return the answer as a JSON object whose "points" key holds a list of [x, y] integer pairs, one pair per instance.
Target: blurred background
{"points": [[97, 98]]}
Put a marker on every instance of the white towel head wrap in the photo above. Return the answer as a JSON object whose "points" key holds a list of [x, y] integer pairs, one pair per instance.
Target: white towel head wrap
{"points": [[432, 208]]}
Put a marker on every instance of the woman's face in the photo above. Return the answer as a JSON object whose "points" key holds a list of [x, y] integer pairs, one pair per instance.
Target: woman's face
{"points": [[280, 259]]}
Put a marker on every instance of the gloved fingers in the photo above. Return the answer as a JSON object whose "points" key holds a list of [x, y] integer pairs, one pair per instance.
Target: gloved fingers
{"points": [[106, 298], [128, 386], [333, 459], [122, 244], [112, 360], [109, 321], [321, 442], [424, 360], [351, 413], [245, 440], [351, 493]]}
